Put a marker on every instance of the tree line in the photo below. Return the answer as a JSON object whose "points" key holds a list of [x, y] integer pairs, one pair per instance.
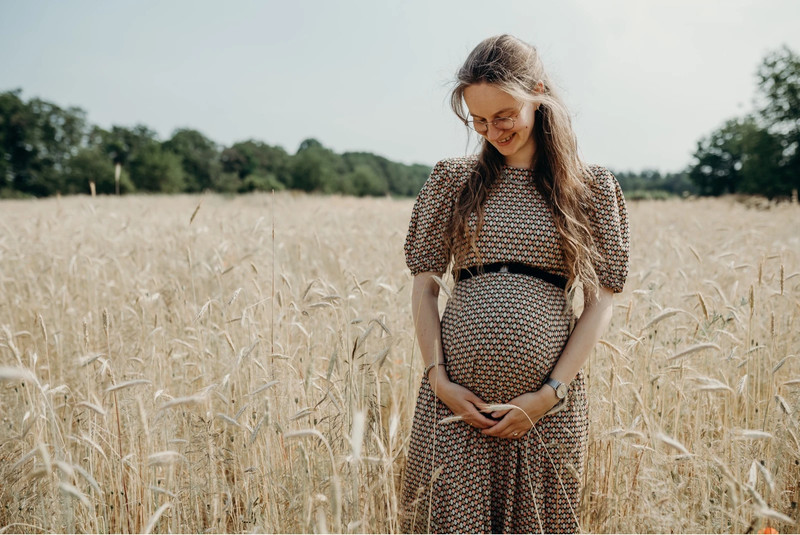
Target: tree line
{"points": [[46, 149], [758, 153]]}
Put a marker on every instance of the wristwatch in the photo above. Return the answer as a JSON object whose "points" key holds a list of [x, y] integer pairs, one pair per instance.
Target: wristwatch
{"points": [[558, 386]]}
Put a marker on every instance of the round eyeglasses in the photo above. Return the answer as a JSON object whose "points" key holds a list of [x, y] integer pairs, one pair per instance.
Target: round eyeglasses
{"points": [[501, 123]]}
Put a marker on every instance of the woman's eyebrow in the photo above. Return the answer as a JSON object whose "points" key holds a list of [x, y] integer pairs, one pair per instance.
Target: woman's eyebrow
{"points": [[497, 113]]}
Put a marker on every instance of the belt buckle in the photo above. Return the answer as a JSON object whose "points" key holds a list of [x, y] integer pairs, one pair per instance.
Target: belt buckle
{"points": [[504, 268]]}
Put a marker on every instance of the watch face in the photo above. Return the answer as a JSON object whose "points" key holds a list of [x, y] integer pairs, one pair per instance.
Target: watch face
{"points": [[561, 391]]}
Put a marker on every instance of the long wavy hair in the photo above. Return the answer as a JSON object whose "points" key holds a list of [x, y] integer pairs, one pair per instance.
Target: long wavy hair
{"points": [[559, 174]]}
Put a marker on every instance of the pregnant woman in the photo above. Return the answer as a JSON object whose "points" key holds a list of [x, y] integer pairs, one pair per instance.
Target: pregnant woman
{"points": [[520, 225]]}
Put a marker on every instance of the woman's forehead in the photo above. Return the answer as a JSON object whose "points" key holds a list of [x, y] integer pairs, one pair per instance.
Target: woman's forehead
{"points": [[485, 100]]}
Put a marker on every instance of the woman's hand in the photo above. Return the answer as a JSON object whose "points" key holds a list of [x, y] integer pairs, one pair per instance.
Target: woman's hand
{"points": [[515, 423], [462, 402]]}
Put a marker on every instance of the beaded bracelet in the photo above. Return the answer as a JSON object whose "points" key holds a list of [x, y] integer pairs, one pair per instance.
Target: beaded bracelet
{"points": [[430, 366]]}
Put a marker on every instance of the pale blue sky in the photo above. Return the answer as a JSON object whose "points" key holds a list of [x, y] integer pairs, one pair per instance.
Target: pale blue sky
{"points": [[644, 79]]}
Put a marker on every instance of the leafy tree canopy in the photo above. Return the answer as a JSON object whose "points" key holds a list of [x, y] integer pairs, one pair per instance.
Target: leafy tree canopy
{"points": [[200, 158], [758, 153]]}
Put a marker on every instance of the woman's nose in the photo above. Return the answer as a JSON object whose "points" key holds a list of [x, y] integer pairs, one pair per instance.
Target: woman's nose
{"points": [[494, 133]]}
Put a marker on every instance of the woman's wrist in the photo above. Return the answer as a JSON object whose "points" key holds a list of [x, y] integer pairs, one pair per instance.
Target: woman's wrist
{"points": [[437, 374], [429, 367], [548, 396]]}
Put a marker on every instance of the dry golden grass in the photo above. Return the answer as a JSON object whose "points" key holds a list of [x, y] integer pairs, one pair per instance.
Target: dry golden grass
{"points": [[161, 374]]}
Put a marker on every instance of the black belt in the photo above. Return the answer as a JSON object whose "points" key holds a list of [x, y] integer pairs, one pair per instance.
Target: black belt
{"points": [[513, 267]]}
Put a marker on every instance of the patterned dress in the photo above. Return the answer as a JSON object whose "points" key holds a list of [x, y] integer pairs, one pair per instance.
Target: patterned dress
{"points": [[502, 333]]}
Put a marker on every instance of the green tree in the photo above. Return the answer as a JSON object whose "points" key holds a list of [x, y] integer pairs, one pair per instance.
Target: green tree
{"points": [[400, 179], [38, 138], [253, 157], [365, 181], [121, 143], [311, 171], [779, 88], [779, 85], [93, 165], [57, 132], [45, 149], [199, 158], [316, 168], [309, 143], [16, 136], [759, 153], [155, 169], [149, 166], [651, 183], [741, 157], [718, 159], [415, 176]]}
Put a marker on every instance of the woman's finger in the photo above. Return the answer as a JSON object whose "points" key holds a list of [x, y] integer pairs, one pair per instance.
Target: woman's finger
{"points": [[500, 414], [479, 420], [480, 405], [499, 429]]}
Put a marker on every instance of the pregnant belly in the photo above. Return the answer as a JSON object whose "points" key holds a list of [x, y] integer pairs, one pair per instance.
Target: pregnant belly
{"points": [[502, 333]]}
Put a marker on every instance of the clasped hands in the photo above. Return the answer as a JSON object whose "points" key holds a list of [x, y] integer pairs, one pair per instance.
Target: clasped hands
{"points": [[508, 423]]}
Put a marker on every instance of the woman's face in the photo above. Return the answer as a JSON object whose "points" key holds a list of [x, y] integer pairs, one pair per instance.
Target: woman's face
{"points": [[487, 102]]}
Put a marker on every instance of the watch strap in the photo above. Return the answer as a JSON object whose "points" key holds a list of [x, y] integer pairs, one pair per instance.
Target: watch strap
{"points": [[558, 386]]}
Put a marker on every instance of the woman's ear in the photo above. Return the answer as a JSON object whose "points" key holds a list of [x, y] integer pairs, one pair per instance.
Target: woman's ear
{"points": [[539, 87]]}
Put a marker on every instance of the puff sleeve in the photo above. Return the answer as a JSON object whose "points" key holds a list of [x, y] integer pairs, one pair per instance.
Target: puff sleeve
{"points": [[425, 246], [609, 219]]}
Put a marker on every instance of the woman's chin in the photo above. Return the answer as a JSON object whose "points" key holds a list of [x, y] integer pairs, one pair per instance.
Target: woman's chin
{"points": [[505, 150]]}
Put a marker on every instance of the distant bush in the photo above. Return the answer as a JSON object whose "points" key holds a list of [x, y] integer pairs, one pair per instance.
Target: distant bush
{"points": [[648, 195]]}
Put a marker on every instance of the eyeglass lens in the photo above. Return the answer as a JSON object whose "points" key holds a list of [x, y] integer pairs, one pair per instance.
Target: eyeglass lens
{"points": [[502, 123]]}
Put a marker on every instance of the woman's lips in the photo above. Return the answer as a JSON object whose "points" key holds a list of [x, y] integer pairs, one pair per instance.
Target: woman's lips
{"points": [[504, 141]]}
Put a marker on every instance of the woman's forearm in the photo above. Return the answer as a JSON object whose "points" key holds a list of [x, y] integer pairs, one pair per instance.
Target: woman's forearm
{"points": [[590, 327], [425, 311]]}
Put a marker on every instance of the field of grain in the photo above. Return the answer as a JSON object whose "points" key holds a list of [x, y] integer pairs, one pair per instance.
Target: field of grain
{"points": [[250, 365]]}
